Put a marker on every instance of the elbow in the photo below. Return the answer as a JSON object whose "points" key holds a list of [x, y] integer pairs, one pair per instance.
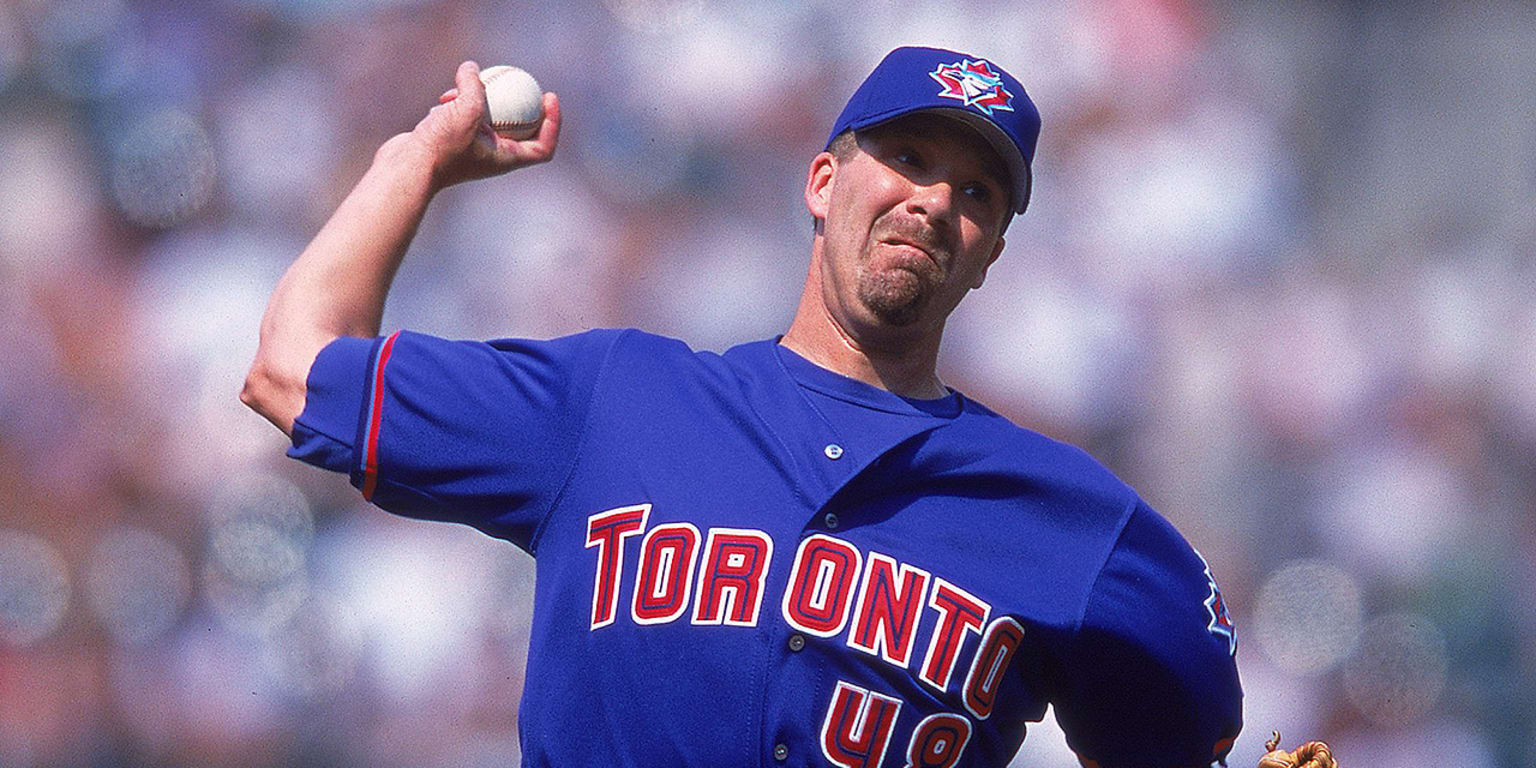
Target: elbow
{"points": [[278, 382], [253, 392], [250, 389], [268, 395]]}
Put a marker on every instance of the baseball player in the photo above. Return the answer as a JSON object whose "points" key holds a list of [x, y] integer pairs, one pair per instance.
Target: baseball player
{"points": [[806, 551]]}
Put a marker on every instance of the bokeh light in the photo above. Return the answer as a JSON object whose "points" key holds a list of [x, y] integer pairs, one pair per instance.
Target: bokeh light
{"points": [[260, 528], [138, 582], [1308, 616], [163, 170], [253, 610], [1399, 671], [34, 588], [316, 653]]}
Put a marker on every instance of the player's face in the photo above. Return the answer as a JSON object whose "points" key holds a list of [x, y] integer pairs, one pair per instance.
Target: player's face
{"points": [[912, 219]]}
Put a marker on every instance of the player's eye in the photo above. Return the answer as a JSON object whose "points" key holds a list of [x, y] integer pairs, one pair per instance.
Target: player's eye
{"points": [[979, 192], [908, 156]]}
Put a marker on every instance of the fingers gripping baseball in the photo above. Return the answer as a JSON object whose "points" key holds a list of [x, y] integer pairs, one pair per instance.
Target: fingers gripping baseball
{"points": [[457, 134]]}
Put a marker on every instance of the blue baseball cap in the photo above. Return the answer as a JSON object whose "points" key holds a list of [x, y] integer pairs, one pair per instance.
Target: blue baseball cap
{"points": [[972, 90]]}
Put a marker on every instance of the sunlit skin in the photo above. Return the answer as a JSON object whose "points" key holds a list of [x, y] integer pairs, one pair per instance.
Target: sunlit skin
{"points": [[908, 222], [337, 286]]}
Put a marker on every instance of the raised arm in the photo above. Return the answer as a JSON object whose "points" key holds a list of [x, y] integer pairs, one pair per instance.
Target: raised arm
{"points": [[338, 285]]}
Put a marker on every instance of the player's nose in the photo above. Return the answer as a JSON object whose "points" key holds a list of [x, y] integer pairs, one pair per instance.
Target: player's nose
{"points": [[933, 200]]}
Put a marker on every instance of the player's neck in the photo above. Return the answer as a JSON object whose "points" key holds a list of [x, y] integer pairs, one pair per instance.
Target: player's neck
{"points": [[906, 369]]}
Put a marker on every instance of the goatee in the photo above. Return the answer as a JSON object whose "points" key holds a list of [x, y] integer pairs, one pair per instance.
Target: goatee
{"points": [[895, 296]]}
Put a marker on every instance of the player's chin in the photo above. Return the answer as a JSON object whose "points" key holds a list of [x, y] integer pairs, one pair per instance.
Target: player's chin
{"points": [[896, 298]]}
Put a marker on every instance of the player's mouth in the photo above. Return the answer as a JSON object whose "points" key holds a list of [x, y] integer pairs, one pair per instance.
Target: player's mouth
{"points": [[900, 243], [914, 249]]}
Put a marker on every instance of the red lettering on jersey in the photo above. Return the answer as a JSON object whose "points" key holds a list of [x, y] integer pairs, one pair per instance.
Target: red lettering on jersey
{"points": [[885, 616], [607, 531], [986, 676], [959, 612], [731, 584], [857, 728], [665, 580], [938, 741], [821, 584]]}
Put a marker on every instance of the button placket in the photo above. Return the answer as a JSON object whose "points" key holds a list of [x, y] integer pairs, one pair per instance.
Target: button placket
{"points": [[833, 451]]}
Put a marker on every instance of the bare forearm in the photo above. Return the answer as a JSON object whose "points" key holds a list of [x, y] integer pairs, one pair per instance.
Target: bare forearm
{"points": [[338, 285]]}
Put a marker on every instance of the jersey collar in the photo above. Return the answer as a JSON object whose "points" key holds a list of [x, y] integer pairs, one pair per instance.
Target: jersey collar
{"points": [[832, 427], [812, 376]]}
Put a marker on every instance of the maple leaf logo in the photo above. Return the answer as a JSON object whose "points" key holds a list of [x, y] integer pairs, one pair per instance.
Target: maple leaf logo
{"points": [[974, 84]]}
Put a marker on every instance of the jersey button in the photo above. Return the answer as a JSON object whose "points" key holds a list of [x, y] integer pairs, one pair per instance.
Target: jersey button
{"points": [[833, 451], [780, 752], [831, 521], [796, 642]]}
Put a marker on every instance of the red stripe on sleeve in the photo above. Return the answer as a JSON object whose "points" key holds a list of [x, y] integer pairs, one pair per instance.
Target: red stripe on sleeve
{"points": [[375, 416]]}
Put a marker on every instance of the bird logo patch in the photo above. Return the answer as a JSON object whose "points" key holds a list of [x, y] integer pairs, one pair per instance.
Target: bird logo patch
{"points": [[1221, 622], [974, 84]]}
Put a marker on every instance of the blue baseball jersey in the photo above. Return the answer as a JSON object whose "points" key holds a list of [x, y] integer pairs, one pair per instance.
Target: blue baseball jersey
{"points": [[746, 559]]}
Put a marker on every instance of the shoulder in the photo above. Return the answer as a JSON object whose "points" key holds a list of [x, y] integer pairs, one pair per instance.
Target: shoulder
{"points": [[595, 340], [1064, 466], [1050, 508], [633, 366], [631, 343], [597, 348], [1151, 555], [641, 353]]}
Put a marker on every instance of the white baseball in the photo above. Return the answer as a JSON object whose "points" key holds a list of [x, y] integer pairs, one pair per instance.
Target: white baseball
{"points": [[515, 100]]}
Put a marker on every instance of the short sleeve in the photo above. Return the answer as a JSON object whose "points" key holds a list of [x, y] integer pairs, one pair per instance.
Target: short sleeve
{"points": [[1150, 680], [481, 433]]}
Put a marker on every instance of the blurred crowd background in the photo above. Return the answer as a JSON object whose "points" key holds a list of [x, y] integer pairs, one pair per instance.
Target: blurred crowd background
{"points": [[1272, 276]]}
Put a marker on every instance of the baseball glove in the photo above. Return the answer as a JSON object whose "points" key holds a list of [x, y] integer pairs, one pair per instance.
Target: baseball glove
{"points": [[1313, 754]]}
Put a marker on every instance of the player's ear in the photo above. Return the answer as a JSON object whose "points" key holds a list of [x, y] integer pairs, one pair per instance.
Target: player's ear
{"points": [[997, 250], [818, 184]]}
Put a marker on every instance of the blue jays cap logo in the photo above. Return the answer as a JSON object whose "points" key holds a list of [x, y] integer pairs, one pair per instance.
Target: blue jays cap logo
{"points": [[974, 84], [990, 99]]}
